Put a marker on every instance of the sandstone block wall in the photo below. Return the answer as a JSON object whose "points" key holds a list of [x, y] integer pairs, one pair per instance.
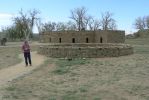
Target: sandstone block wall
{"points": [[68, 36], [99, 36], [85, 50], [116, 37]]}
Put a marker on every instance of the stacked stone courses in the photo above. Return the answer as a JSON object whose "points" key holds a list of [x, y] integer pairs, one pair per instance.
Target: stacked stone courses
{"points": [[109, 36], [84, 44]]}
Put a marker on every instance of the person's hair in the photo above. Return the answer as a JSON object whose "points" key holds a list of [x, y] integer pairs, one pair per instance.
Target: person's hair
{"points": [[26, 42]]}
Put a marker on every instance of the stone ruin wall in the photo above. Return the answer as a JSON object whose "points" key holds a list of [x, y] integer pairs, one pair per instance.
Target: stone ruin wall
{"points": [[87, 44], [82, 36], [66, 37], [85, 50]]}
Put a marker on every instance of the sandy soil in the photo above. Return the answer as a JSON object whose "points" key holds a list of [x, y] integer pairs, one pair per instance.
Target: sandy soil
{"points": [[13, 72]]}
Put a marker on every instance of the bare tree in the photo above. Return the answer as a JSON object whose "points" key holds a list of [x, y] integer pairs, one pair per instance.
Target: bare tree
{"points": [[71, 25], [61, 26], [107, 22], [93, 24], [140, 23], [48, 27], [79, 15]]}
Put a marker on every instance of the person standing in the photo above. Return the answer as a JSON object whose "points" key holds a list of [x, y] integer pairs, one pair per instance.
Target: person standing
{"points": [[27, 54]]}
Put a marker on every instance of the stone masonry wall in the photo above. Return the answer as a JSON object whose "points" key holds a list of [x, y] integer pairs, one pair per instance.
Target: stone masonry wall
{"points": [[84, 44], [116, 37], [68, 36], [99, 36], [85, 50]]}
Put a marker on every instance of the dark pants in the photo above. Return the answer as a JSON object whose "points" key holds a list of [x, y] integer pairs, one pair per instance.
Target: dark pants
{"points": [[27, 57]]}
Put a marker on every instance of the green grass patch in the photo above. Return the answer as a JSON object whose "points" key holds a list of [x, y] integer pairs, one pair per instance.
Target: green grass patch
{"points": [[65, 66], [97, 98], [141, 45], [10, 88], [138, 41], [140, 49], [52, 98], [70, 97], [83, 89]]}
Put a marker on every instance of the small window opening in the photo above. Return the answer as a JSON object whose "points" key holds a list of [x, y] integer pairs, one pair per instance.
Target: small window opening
{"points": [[101, 40], [49, 39], [60, 40], [73, 40], [87, 40]]}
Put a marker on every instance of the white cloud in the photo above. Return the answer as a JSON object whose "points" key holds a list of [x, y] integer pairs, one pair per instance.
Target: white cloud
{"points": [[5, 19], [5, 15]]}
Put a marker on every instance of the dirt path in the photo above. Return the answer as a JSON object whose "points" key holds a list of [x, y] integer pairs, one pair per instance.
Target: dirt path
{"points": [[13, 72]]}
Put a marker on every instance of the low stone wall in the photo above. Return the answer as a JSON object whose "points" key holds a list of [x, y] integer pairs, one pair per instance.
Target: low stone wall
{"points": [[85, 50]]}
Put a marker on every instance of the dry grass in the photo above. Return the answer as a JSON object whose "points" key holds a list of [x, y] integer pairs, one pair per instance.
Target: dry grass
{"points": [[9, 56], [121, 78]]}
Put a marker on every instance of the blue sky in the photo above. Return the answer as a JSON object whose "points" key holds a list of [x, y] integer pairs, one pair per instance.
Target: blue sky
{"points": [[125, 11]]}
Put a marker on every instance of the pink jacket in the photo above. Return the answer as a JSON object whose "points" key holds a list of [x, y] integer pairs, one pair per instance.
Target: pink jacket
{"points": [[26, 48]]}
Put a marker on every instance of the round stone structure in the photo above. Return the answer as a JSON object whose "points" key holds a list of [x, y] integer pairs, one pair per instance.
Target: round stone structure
{"points": [[85, 50]]}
